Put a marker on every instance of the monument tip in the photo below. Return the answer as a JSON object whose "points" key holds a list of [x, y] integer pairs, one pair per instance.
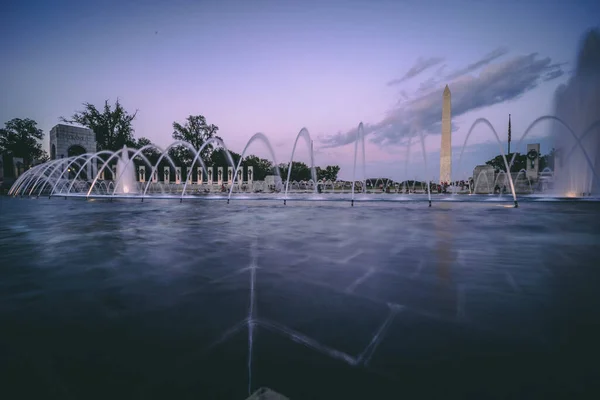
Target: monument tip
{"points": [[446, 90]]}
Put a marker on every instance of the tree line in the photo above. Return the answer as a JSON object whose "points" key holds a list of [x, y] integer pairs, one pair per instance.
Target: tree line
{"points": [[113, 126], [521, 160]]}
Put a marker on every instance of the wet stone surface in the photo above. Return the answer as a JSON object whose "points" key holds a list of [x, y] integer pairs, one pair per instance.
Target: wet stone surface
{"points": [[313, 300]]}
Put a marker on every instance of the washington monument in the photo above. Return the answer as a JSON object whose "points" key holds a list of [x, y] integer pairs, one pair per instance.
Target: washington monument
{"points": [[446, 149]]}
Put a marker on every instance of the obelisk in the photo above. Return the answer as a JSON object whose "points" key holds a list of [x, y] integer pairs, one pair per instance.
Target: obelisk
{"points": [[446, 148]]}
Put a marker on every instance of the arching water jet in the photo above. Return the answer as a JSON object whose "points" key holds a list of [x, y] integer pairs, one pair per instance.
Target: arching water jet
{"points": [[507, 165]]}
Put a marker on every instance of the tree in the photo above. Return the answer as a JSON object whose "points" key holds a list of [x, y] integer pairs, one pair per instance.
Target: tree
{"points": [[547, 161], [44, 157], [113, 128], [152, 154], [330, 173], [300, 172], [218, 158], [21, 138], [195, 131], [260, 166], [519, 163]]}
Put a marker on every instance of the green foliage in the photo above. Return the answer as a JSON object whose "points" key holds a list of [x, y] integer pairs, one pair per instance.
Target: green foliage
{"points": [[521, 162], [300, 172], [195, 131], [218, 158], [44, 157], [547, 161], [152, 154], [112, 127], [330, 173], [261, 167], [21, 138]]}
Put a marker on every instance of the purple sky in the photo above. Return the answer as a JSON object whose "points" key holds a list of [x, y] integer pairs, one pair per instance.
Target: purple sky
{"points": [[278, 66]]}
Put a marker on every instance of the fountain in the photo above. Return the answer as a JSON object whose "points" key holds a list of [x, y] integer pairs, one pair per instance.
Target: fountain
{"points": [[58, 177], [578, 104], [126, 182]]}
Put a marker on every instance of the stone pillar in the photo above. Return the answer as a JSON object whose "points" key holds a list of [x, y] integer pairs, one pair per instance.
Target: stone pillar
{"points": [[142, 174], [446, 148], [533, 160], [200, 175], [177, 175], [115, 173], [250, 174], [188, 177], [229, 175], [219, 176], [240, 176], [102, 175], [210, 175], [166, 174], [155, 176]]}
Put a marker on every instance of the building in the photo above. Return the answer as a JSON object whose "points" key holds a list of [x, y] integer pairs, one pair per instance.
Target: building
{"points": [[68, 140]]}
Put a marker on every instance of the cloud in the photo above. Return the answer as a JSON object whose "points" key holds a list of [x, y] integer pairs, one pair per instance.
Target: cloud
{"points": [[485, 60], [438, 79], [421, 65], [555, 71], [496, 83]]}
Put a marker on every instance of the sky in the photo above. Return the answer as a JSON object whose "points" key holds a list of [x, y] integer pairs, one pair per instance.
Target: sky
{"points": [[276, 67]]}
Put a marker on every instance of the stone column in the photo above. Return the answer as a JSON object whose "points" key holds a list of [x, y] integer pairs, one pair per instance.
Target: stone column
{"points": [[533, 161], [250, 175], [166, 174], [446, 148], [177, 175], [200, 175], [188, 177]]}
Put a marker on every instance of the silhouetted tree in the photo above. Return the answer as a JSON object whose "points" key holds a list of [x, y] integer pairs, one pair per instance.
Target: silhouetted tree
{"points": [[21, 138], [300, 171], [329, 173], [218, 158], [195, 131], [547, 160], [519, 163], [262, 167], [152, 154], [112, 127]]}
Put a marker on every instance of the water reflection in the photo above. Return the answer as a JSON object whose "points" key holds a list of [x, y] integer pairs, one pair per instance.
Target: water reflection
{"points": [[444, 228]]}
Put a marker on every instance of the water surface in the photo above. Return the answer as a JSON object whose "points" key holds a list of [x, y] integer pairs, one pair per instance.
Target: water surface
{"points": [[151, 300]]}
